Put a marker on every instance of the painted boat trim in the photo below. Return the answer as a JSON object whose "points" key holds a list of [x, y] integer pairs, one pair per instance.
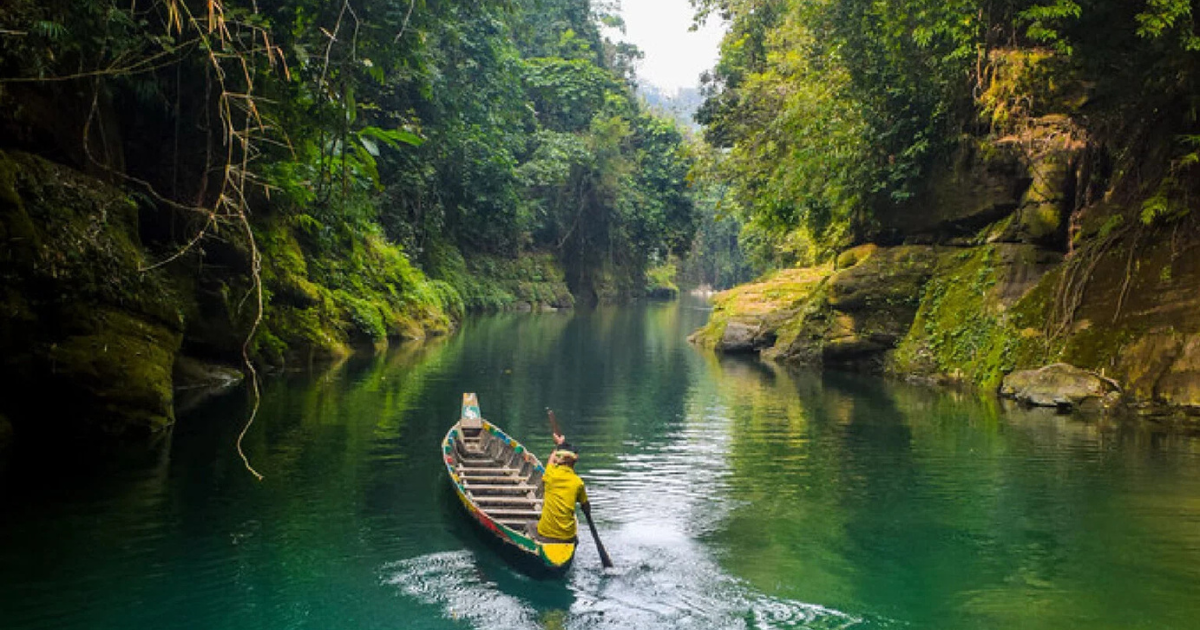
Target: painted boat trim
{"points": [[553, 556]]}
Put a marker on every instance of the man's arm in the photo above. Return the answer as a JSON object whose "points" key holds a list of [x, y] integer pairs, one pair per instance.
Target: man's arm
{"points": [[553, 459]]}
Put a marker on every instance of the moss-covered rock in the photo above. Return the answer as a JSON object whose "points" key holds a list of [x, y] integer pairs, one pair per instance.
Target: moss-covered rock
{"points": [[88, 336], [327, 292], [1052, 147], [872, 302], [855, 255], [1062, 386], [965, 329], [768, 307], [738, 336], [817, 316], [122, 364], [891, 277]]}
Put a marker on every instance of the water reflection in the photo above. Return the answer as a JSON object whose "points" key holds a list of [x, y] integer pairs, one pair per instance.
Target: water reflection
{"points": [[944, 510], [731, 494]]}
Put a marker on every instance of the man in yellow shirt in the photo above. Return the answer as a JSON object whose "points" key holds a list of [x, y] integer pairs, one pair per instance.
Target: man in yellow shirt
{"points": [[562, 489]]}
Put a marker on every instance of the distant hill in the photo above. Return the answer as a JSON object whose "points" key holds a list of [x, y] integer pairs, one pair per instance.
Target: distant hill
{"points": [[681, 106]]}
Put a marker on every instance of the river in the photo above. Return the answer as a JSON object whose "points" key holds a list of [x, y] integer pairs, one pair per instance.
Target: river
{"points": [[730, 494]]}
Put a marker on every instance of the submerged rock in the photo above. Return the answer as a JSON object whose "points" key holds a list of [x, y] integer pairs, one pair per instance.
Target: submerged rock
{"points": [[191, 373], [1062, 386]]}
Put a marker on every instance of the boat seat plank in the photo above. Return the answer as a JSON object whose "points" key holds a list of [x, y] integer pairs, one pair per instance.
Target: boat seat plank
{"points": [[500, 482], [497, 512], [498, 487], [500, 474], [487, 469], [505, 500], [479, 462]]}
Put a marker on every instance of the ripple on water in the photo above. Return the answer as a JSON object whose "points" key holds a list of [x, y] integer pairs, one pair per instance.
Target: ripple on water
{"points": [[663, 580], [666, 579], [451, 581]]}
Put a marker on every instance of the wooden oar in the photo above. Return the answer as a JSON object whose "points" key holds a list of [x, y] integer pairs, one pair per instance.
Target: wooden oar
{"points": [[587, 513], [604, 559]]}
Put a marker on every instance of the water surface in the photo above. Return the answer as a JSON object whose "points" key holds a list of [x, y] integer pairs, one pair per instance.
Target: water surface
{"points": [[730, 493]]}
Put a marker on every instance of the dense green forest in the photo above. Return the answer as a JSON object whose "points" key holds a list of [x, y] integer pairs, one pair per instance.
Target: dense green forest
{"points": [[973, 191], [307, 177], [836, 114]]}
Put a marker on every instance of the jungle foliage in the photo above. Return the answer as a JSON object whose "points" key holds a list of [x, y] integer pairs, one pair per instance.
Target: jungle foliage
{"points": [[354, 135], [832, 111]]}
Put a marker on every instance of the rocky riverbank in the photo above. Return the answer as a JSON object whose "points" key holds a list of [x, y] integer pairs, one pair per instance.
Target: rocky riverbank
{"points": [[96, 338], [1030, 259]]}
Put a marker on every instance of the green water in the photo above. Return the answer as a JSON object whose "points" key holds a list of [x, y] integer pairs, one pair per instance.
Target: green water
{"points": [[730, 494]]}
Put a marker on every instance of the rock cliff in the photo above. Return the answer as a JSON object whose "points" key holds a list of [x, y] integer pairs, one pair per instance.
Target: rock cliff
{"points": [[1022, 255], [85, 334]]}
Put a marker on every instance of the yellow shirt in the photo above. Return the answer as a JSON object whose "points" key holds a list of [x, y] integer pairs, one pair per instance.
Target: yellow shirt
{"points": [[562, 489]]}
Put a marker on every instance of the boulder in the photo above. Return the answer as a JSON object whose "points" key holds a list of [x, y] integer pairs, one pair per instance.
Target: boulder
{"points": [[872, 304], [1062, 386], [764, 315], [886, 278], [738, 337]]}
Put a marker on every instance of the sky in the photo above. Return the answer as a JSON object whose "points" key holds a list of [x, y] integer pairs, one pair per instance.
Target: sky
{"points": [[675, 57]]}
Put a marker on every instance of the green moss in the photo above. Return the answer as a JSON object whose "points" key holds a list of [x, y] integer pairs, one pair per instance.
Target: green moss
{"points": [[961, 331], [775, 299], [1095, 348], [123, 363], [492, 283], [327, 290], [709, 335], [1041, 221], [810, 320], [855, 255]]}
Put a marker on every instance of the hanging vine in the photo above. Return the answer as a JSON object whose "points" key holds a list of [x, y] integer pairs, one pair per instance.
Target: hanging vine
{"points": [[232, 50]]}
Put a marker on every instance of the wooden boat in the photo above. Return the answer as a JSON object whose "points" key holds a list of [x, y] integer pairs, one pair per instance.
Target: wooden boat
{"points": [[499, 483]]}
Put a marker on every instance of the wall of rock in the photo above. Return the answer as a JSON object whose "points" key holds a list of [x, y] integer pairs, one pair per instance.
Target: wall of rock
{"points": [[1019, 257], [87, 339]]}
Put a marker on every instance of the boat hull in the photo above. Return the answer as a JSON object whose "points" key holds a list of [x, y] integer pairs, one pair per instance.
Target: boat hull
{"points": [[506, 529]]}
